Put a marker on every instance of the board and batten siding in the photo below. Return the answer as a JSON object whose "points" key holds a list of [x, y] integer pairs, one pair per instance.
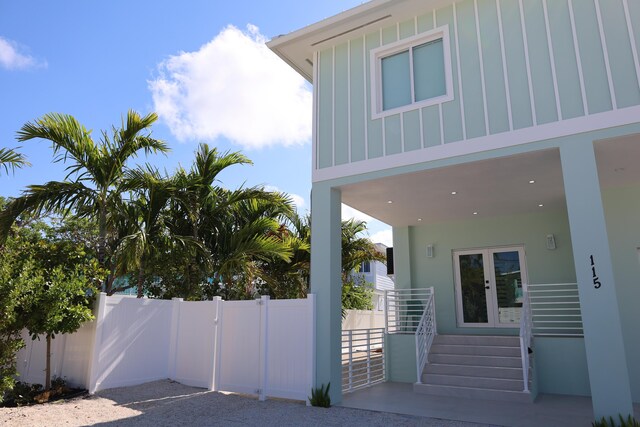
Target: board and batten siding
{"points": [[516, 64]]}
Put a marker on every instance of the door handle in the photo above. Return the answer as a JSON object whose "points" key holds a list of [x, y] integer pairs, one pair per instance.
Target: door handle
{"points": [[487, 287]]}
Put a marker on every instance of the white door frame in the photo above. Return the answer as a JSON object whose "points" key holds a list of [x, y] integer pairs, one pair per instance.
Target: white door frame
{"points": [[491, 295]]}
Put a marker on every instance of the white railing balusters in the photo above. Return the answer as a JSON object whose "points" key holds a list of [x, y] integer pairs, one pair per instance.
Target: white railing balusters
{"points": [[425, 333], [526, 326], [404, 309], [363, 358]]}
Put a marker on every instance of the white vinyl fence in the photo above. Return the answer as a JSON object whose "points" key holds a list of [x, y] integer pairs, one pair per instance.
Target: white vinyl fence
{"points": [[263, 347]]}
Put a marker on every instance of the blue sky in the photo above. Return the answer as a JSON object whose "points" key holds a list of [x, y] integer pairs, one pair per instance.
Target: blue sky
{"points": [[201, 65]]}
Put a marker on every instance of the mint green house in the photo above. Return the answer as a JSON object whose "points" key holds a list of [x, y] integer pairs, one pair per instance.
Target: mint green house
{"points": [[501, 141]]}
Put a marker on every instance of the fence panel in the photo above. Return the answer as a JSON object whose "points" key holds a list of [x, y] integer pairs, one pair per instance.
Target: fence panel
{"points": [[363, 358], [239, 363], [132, 342], [289, 348], [193, 342]]}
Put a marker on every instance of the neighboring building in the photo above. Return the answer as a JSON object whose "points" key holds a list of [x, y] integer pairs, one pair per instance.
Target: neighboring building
{"points": [[501, 141], [375, 272]]}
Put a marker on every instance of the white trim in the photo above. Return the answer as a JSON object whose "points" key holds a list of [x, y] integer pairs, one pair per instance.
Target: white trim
{"points": [[402, 131], [567, 127], [480, 57], [333, 105], [525, 42], [435, 24], [632, 40], [552, 59], [383, 126], [505, 70], [576, 48], [605, 51], [315, 112], [463, 119], [375, 71], [364, 82], [349, 98], [421, 127]]}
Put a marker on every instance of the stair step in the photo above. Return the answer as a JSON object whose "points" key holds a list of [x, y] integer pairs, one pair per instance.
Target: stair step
{"points": [[474, 382], [477, 350], [473, 393], [499, 340], [467, 359], [513, 373]]}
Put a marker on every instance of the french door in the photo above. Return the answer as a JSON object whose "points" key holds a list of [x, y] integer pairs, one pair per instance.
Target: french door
{"points": [[489, 286]]}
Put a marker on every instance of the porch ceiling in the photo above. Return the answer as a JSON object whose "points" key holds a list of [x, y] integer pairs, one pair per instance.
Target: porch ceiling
{"points": [[489, 187]]}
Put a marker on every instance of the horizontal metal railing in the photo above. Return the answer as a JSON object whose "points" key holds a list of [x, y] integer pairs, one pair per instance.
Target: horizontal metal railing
{"points": [[555, 310], [363, 358], [404, 309]]}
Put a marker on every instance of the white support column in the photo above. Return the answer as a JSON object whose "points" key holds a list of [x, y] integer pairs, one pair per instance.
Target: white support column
{"points": [[606, 360], [326, 284]]}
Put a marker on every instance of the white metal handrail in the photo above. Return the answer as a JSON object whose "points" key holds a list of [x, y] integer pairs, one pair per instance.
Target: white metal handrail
{"points": [[363, 358], [555, 309], [425, 333], [526, 327], [404, 309]]}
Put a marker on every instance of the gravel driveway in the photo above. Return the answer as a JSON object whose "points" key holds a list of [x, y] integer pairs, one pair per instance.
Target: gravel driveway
{"points": [[167, 403]]}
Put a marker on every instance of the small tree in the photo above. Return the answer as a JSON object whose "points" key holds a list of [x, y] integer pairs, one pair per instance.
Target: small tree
{"points": [[53, 282]]}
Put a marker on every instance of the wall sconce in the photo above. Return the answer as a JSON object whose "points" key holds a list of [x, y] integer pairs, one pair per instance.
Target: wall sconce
{"points": [[551, 242], [430, 251]]}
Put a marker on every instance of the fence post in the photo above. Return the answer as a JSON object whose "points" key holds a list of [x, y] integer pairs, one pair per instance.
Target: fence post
{"points": [[311, 343], [218, 327], [350, 349], [433, 311], [95, 350], [173, 337], [368, 356], [264, 346], [386, 311]]}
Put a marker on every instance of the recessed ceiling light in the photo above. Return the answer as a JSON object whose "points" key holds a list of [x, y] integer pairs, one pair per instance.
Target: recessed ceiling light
{"points": [[540, 205], [389, 201], [533, 181], [475, 213], [419, 219], [454, 192]]}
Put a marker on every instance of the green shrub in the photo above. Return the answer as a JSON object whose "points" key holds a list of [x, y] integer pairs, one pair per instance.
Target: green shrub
{"points": [[320, 397], [22, 394], [628, 422]]}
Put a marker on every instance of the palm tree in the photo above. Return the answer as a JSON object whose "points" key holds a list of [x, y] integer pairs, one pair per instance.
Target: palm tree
{"points": [[95, 170], [12, 160]]}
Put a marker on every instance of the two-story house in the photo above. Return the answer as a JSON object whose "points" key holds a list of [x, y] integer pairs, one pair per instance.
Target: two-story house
{"points": [[501, 141]]}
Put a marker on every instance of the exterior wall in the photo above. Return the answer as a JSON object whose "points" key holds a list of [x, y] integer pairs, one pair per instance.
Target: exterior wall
{"points": [[401, 358], [516, 65], [543, 265], [622, 212]]}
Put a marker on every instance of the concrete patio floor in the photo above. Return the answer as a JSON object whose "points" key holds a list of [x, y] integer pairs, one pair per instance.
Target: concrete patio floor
{"points": [[548, 410]]}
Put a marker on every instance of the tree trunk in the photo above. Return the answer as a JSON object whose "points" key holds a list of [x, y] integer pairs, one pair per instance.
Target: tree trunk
{"points": [[47, 380], [102, 242], [140, 280]]}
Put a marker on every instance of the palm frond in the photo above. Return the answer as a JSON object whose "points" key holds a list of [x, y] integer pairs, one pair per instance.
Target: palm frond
{"points": [[10, 159]]}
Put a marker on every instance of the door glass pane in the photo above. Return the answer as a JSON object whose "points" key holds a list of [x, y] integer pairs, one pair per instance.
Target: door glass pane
{"points": [[508, 286], [474, 299], [428, 70], [396, 83]]}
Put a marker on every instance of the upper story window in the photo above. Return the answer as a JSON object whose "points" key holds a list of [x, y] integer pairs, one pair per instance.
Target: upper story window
{"points": [[411, 73]]}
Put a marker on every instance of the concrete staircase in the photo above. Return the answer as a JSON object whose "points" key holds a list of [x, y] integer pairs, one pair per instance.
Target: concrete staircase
{"points": [[474, 366]]}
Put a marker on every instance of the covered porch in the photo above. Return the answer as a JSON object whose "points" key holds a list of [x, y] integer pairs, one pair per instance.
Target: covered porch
{"points": [[548, 410], [568, 208]]}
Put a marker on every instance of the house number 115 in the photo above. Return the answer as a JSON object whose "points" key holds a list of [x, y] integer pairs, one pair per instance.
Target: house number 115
{"points": [[596, 280]]}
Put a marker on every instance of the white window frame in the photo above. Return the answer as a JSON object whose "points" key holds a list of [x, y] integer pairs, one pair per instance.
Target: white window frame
{"points": [[376, 56]]}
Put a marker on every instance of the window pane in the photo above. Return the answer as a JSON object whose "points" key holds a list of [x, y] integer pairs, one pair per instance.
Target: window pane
{"points": [[428, 70], [396, 87]]}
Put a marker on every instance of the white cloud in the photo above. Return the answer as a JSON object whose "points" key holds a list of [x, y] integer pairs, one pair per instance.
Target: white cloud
{"points": [[233, 87], [385, 237], [12, 59], [348, 212], [297, 199]]}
